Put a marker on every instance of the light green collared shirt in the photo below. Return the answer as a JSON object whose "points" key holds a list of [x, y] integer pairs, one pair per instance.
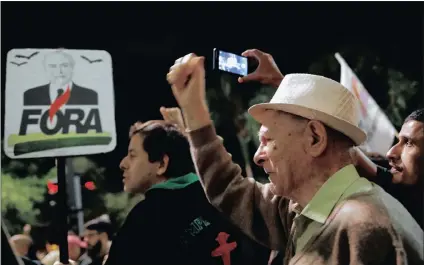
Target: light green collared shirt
{"points": [[338, 187]]}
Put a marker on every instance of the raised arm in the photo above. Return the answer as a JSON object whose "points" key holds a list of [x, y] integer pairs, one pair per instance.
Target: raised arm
{"points": [[249, 204]]}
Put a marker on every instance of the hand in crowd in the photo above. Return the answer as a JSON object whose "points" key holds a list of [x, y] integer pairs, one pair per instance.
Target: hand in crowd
{"points": [[267, 71], [173, 115]]}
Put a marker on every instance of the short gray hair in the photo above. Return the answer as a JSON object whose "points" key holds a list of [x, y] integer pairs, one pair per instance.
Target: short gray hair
{"points": [[67, 55]]}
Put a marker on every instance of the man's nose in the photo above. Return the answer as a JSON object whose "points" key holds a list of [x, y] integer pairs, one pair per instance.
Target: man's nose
{"points": [[393, 153], [260, 157], [122, 165]]}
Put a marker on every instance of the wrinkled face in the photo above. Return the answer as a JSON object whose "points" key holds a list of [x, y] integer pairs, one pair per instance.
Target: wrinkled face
{"points": [[59, 68], [139, 173], [280, 152], [407, 156]]}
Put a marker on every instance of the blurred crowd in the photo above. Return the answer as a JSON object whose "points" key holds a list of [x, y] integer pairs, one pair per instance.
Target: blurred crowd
{"points": [[91, 248]]}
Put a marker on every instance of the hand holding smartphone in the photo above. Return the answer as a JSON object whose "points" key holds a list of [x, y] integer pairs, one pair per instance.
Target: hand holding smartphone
{"points": [[230, 63], [254, 65]]}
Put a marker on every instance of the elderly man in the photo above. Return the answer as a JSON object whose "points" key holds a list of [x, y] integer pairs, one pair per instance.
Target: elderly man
{"points": [[317, 209]]}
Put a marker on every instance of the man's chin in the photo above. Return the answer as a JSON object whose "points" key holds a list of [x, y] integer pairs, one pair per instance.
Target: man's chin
{"points": [[279, 191], [61, 81], [132, 190], [397, 177], [128, 189]]}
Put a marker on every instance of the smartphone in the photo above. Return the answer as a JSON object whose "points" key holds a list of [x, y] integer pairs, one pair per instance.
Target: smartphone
{"points": [[230, 62]]}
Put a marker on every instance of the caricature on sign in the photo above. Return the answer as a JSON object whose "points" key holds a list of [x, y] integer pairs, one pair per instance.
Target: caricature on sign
{"points": [[59, 103]]}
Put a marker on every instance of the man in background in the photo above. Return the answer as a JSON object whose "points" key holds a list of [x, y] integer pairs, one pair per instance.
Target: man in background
{"points": [[174, 224], [404, 179], [97, 236]]}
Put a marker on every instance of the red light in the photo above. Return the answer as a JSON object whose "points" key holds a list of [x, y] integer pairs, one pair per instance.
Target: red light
{"points": [[89, 185], [52, 188]]}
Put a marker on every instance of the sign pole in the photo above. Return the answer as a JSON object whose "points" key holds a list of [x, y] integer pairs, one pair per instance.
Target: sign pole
{"points": [[62, 210], [74, 196], [78, 204]]}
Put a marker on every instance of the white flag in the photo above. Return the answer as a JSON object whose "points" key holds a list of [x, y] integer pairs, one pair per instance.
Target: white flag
{"points": [[374, 122]]}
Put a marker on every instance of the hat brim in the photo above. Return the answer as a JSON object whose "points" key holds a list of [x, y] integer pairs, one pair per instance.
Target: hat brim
{"points": [[358, 136]]}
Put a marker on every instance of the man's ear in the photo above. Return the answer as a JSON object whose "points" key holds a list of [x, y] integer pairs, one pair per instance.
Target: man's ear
{"points": [[163, 166], [317, 138]]}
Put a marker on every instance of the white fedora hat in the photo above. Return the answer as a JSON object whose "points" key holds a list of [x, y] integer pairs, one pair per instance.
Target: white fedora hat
{"points": [[316, 98]]}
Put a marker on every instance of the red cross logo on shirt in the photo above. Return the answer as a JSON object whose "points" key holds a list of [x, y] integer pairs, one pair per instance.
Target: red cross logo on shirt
{"points": [[224, 248]]}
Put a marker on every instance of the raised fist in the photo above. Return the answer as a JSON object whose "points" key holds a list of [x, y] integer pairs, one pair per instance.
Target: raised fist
{"points": [[187, 79]]}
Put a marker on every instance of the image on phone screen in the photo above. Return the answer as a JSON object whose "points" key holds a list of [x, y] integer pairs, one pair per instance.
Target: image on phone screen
{"points": [[232, 63]]}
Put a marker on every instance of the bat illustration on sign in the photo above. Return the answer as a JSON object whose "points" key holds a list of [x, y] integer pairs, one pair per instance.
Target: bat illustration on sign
{"points": [[91, 61], [18, 64], [26, 57]]}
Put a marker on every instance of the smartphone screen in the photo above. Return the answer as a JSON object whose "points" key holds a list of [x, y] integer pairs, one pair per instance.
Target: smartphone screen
{"points": [[230, 62]]}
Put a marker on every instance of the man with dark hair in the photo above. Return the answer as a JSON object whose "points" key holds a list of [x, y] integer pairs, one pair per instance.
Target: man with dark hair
{"points": [[174, 224], [407, 156], [404, 180], [417, 115], [97, 235], [159, 141]]}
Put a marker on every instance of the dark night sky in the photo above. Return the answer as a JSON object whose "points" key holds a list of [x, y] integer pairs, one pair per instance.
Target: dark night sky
{"points": [[144, 38]]}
